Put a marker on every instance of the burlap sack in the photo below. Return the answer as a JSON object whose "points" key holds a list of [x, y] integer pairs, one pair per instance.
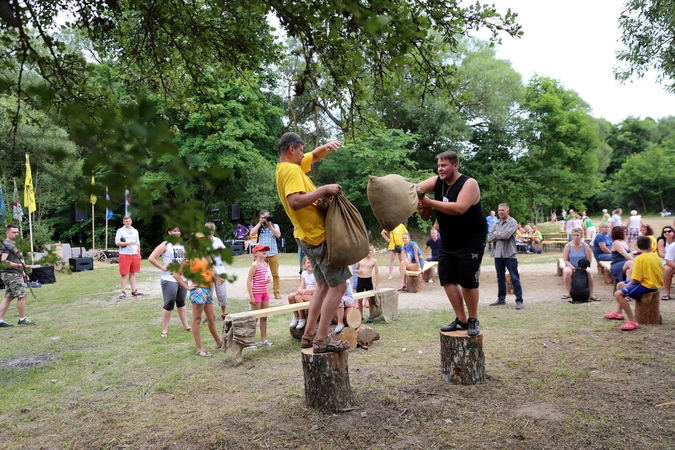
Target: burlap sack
{"points": [[346, 234], [392, 198]]}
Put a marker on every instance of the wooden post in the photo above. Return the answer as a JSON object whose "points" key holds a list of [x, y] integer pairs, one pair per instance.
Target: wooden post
{"points": [[327, 381], [413, 281], [462, 358], [647, 309]]}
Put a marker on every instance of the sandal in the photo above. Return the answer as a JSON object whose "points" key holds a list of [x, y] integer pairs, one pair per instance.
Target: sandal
{"points": [[219, 346], [614, 316], [306, 341], [164, 335], [630, 326], [595, 298], [329, 345], [665, 297], [204, 354], [402, 289], [266, 343], [222, 316], [188, 329], [565, 297]]}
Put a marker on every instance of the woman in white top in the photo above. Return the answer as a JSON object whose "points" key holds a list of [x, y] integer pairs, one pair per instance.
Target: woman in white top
{"points": [[173, 293], [634, 224], [663, 245]]}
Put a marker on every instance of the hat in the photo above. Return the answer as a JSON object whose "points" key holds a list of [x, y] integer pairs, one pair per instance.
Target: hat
{"points": [[604, 210], [260, 248]]}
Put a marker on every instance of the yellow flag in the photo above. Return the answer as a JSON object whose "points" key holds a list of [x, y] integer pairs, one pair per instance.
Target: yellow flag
{"points": [[28, 193], [92, 198]]}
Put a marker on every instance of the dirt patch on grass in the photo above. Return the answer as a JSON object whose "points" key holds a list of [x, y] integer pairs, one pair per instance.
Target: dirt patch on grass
{"points": [[23, 362]]}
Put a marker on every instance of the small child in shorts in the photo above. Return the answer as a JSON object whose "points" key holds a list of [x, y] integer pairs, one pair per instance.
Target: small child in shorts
{"points": [[303, 294], [647, 276], [366, 270], [258, 292], [346, 302]]}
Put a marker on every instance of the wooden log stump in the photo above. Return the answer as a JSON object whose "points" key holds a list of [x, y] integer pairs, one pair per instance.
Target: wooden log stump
{"points": [[647, 309], [462, 358], [327, 381], [366, 335], [353, 317], [349, 335], [413, 281], [509, 284], [608, 277]]}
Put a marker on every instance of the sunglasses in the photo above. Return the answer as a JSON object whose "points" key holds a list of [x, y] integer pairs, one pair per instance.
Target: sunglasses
{"points": [[668, 231]]}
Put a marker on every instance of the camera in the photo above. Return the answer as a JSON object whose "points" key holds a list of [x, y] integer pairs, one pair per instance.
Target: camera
{"points": [[267, 219]]}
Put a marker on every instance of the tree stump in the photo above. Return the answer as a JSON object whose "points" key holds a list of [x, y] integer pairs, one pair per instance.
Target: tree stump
{"points": [[327, 381], [647, 309], [413, 281], [429, 274], [353, 317], [462, 358], [349, 335], [509, 284]]}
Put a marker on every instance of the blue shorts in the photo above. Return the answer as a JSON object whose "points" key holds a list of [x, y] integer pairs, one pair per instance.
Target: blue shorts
{"points": [[635, 291], [201, 296]]}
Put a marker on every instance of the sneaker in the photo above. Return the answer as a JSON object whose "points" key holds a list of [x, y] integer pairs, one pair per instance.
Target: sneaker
{"points": [[294, 322], [454, 326], [5, 325], [123, 295], [369, 320], [136, 294], [301, 324], [498, 303], [474, 327], [26, 322], [431, 281], [519, 305], [339, 328]]}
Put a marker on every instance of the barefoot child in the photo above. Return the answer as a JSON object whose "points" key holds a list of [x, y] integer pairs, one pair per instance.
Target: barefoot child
{"points": [[647, 276], [364, 270], [303, 294], [201, 298], [258, 292]]}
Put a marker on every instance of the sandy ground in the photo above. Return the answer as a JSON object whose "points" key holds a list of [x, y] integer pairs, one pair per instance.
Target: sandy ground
{"points": [[540, 284]]}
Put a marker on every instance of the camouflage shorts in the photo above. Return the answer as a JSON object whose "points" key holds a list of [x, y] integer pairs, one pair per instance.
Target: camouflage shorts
{"points": [[14, 285]]}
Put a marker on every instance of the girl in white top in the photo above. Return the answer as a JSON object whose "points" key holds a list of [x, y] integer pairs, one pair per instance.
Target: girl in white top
{"points": [[303, 294], [173, 293], [666, 251], [634, 224]]}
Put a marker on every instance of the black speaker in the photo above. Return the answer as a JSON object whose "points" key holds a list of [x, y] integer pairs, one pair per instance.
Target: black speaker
{"points": [[233, 212], [78, 214], [80, 264]]}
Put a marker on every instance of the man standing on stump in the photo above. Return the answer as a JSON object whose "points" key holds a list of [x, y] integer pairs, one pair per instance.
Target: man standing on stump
{"points": [[503, 240], [462, 224], [300, 199]]}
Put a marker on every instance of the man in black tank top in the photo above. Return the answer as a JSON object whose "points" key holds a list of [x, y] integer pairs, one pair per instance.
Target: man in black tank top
{"points": [[464, 231]]}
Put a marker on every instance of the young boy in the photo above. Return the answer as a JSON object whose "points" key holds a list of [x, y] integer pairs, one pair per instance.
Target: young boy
{"points": [[647, 277], [364, 270]]}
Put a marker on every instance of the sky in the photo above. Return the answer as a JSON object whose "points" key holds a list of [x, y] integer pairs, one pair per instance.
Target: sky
{"points": [[575, 42]]}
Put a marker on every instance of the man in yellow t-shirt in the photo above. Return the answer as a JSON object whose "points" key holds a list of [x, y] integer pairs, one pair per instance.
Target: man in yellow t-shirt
{"points": [[300, 199]]}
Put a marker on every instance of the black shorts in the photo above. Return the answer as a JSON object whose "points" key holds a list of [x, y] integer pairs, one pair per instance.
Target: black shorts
{"points": [[364, 284], [460, 267]]}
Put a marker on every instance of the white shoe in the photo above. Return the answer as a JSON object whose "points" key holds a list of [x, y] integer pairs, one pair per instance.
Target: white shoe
{"points": [[431, 281], [301, 324], [294, 322], [339, 328]]}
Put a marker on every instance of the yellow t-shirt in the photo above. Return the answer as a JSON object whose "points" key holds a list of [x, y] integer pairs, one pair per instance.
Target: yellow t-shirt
{"points": [[310, 221], [396, 236], [648, 271]]}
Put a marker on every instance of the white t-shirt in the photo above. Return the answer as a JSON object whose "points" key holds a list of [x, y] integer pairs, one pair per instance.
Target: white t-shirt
{"points": [[670, 252], [616, 220], [129, 235], [634, 222], [174, 252], [217, 243], [310, 281]]}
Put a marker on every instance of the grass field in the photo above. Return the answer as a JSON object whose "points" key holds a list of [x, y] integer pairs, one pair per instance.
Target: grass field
{"points": [[94, 373]]}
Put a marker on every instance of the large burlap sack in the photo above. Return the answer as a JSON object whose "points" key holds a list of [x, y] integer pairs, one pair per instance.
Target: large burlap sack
{"points": [[392, 198], [346, 234]]}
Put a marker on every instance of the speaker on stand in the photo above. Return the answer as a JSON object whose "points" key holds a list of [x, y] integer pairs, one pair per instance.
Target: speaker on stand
{"points": [[81, 263], [233, 212]]}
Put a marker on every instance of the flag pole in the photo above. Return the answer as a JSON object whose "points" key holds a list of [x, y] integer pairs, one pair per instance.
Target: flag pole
{"points": [[15, 198], [93, 238], [29, 177]]}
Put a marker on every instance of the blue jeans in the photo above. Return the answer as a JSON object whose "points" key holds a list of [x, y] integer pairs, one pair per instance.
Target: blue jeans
{"points": [[603, 257], [501, 264]]}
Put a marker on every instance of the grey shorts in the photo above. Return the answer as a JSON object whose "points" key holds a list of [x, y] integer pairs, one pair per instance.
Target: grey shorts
{"points": [[174, 295], [323, 272], [14, 285], [221, 293]]}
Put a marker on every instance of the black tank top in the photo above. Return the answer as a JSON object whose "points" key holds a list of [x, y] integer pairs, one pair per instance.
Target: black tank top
{"points": [[464, 232]]}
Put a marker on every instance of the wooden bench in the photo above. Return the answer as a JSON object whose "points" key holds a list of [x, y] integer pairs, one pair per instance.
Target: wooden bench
{"points": [[558, 244], [605, 269], [258, 313], [414, 278]]}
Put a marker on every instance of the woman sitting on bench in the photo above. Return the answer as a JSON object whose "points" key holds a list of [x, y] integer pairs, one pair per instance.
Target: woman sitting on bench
{"points": [[411, 255]]}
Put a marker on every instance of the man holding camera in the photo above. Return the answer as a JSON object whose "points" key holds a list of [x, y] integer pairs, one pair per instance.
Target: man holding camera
{"points": [[268, 233]]}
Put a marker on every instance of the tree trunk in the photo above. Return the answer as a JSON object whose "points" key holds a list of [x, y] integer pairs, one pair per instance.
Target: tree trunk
{"points": [[462, 358], [353, 317], [327, 381], [647, 309], [413, 283]]}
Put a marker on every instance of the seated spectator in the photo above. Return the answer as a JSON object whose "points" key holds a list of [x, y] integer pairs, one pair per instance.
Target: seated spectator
{"points": [[303, 294], [647, 230], [535, 239], [252, 239], [574, 251], [346, 302], [240, 231], [622, 259], [602, 244], [664, 245], [434, 243], [647, 277], [411, 255]]}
